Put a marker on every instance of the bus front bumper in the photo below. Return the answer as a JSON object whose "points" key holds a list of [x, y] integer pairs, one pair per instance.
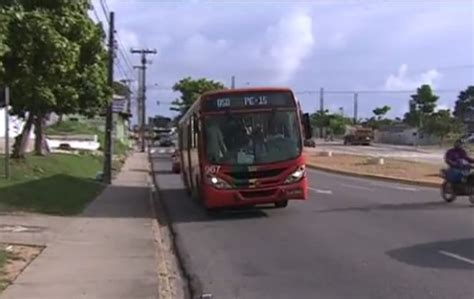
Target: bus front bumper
{"points": [[214, 198]]}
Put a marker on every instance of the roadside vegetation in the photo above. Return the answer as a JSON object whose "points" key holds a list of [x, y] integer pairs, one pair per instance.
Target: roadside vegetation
{"points": [[3, 262], [59, 184], [13, 260], [70, 127]]}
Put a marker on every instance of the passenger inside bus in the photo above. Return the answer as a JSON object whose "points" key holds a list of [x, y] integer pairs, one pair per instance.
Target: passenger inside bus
{"points": [[216, 147], [253, 138]]}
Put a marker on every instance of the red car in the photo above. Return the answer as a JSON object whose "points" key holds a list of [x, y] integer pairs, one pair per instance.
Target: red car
{"points": [[175, 163]]}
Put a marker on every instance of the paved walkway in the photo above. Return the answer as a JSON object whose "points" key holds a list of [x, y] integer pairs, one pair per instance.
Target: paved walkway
{"points": [[32, 229], [107, 252]]}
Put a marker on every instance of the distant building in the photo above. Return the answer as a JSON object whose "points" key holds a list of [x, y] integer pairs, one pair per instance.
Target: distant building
{"points": [[402, 134], [15, 128], [16, 125]]}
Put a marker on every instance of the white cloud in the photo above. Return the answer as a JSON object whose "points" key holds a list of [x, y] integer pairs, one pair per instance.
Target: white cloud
{"points": [[402, 80], [337, 41], [287, 44], [442, 107], [129, 39]]}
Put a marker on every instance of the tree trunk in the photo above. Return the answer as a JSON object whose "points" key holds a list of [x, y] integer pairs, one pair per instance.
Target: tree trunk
{"points": [[40, 138], [60, 119], [21, 141]]}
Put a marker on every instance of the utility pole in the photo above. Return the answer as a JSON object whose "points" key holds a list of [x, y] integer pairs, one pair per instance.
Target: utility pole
{"points": [[107, 176], [232, 82], [7, 133], [356, 107], [142, 97], [139, 101], [321, 109]]}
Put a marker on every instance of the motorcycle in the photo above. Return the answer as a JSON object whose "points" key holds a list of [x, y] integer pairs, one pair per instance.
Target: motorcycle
{"points": [[451, 190]]}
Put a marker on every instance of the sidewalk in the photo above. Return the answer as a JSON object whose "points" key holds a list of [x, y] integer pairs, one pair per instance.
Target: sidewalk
{"points": [[107, 252], [31, 229]]}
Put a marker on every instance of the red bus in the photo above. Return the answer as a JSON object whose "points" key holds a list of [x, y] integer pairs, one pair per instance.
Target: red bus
{"points": [[244, 147]]}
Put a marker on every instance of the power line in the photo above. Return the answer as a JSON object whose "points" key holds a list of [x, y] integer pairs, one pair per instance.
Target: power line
{"points": [[122, 50], [120, 47], [105, 10], [373, 91], [96, 14], [121, 70]]}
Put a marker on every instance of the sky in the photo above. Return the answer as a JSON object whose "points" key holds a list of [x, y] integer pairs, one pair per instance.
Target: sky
{"points": [[382, 49]]}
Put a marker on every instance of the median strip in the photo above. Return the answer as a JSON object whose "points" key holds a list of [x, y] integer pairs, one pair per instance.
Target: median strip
{"points": [[393, 170]]}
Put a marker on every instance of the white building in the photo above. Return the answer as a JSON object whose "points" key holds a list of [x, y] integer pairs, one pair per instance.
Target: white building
{"points": [[16, 125], [404, 135]]}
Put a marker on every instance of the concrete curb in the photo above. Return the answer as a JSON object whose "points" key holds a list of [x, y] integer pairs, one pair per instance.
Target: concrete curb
{"points": [[375, 176], [191, 285]]}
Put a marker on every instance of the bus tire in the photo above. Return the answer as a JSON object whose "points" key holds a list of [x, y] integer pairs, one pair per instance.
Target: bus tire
{"points": [[281, 204]]}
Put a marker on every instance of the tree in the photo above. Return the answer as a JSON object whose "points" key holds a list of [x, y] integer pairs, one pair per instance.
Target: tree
{"points": [[338, 123], [380, 112], [320, 119], [422, 105], [464, 104], [190, 90], [121, 89], [441, 124], [3, 46], [335, 122], [56, 63]]}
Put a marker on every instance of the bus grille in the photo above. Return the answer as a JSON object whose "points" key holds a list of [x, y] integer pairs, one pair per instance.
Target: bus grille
{"points": [[246, 175]]}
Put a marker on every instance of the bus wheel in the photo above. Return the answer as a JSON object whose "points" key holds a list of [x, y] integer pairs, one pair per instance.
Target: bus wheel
{"points": [[281, 204]]}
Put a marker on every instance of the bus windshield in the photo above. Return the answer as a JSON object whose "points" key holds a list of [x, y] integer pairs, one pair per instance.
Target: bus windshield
{"points": [[252, 137]]}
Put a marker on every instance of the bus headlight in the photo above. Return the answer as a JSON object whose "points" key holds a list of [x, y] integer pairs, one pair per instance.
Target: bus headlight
{"points": [[297, 175], [217, 183]]}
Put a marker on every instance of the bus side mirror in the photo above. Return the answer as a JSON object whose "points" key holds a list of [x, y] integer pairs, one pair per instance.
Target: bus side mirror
{"points": [[308, 129]]}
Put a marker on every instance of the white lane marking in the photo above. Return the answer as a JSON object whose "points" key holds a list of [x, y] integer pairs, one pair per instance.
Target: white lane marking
{"points": [[320, 191], [397, 187], [456, 256], [357, 187], [405, 188]]}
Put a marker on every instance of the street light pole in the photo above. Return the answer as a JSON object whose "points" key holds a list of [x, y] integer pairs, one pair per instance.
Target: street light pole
{"points": [[7, 133]]}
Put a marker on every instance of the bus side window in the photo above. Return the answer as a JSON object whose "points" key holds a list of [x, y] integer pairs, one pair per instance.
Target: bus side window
{"points": [[180, 138], [195, 130], [191, 132], [184, 138]]}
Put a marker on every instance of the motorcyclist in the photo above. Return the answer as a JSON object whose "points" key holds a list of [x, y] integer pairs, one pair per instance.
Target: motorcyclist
{"points": [[458, 160]]}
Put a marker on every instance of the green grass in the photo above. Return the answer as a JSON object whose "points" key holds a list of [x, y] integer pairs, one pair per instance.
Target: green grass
{"points": [[56, 184], [74, 127], [3, 262]]}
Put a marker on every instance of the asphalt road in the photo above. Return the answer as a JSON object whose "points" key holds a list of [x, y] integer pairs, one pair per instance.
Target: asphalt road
{"points": [[353, 238]]}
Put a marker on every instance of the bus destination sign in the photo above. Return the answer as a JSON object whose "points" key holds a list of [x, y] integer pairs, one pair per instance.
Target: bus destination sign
{"points": [[249, 101]]}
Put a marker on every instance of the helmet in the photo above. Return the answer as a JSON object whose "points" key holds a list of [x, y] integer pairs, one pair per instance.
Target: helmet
{"points": [[459, 143]]}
